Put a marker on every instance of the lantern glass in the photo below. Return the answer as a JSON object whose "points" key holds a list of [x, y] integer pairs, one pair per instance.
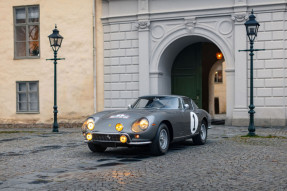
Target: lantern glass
{"points": [[252, 27], [252, 31], [55, 39]]}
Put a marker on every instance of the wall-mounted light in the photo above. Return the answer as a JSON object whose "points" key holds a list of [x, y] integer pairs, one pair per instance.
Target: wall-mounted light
{"points": [[219, 55]]}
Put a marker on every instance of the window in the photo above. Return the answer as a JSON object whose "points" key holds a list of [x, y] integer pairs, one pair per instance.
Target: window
{"points": [[26, 29], [27, 97], [218, 75], [188, 102]]}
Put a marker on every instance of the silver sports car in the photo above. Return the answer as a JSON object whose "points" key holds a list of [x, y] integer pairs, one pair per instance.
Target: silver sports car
{"points": [[155, 120]]}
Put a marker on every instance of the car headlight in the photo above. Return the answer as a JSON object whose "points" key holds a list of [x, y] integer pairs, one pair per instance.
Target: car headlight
{"points": [[90, 124], [140, 125]]}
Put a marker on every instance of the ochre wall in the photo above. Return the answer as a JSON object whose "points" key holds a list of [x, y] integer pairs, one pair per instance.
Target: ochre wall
{"points": [[75, 74], [220, 91]]}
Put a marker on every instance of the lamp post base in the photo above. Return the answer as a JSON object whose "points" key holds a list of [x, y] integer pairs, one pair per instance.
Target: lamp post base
{"points": [[251, 134], [55, 128], [251, 128]]}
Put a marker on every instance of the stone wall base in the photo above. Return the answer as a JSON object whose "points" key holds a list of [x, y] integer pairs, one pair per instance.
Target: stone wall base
{"points": [[41, 125], [260, 122]]}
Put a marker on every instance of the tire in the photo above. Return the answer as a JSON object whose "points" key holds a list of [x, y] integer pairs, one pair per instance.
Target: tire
{"points": [[96, 148], [161, 141], [200, 139]]}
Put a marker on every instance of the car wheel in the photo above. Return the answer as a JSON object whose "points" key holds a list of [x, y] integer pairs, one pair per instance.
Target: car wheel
{"points": [[96, 148], [200, 139], [160, 143]]}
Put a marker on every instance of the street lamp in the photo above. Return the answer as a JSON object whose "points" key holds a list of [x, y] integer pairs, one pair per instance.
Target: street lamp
{"points": [[55, 42], [251, 28]]}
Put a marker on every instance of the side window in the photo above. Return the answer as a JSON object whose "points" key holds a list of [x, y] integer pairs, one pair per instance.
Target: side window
{"points": [[26, 32], [188, 102], [27, 97]]}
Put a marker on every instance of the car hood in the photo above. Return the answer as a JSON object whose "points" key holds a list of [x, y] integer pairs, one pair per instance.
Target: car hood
{"points": [[106, 121], [127, 114]]}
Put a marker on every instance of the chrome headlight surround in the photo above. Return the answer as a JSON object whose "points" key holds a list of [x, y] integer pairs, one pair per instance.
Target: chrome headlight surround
{"points": [[140, 125], [89, 124]]}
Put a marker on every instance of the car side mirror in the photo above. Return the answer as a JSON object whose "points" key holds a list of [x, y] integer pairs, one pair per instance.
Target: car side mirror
{"points": [[186, 106], [129, 106]]}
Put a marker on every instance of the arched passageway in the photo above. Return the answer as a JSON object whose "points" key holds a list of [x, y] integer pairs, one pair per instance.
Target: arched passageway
{"points": [[190, 76], [165, 53]]}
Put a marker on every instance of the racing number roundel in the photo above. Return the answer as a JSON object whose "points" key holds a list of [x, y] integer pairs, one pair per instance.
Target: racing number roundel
{"points": [[193, 122]]}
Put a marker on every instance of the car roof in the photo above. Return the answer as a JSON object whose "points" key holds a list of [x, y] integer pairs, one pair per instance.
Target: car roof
{"points": [[177, 96]]}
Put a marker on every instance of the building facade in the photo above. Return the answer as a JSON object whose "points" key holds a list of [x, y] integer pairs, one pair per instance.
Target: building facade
{"points": [[169, 47], [27, 79], [117, 50]]}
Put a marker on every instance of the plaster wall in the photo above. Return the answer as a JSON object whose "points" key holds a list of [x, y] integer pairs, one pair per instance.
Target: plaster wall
{"points": [[75, 74], [270, 69], [121, 64]]}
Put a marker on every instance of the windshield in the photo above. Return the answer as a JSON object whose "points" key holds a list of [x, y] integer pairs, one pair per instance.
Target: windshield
{"points": [[157, 102]]}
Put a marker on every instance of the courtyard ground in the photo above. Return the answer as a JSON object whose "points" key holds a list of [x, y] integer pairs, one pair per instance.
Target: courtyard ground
{"points": [[37, 159]]}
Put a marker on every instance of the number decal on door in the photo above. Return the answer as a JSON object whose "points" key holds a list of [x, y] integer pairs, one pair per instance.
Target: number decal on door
{"points": [[193, 122]]}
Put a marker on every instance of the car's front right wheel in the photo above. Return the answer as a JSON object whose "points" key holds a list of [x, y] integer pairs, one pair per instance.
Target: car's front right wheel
{"points": [[96, 148], [161, 141]]}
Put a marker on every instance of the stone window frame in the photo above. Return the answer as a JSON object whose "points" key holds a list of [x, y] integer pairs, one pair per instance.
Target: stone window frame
{"points": [[26, 24], [27, 92]]}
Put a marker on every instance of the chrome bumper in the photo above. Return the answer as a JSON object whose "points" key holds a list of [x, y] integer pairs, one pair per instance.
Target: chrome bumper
{"points": [[114, 138], [118, 142]]}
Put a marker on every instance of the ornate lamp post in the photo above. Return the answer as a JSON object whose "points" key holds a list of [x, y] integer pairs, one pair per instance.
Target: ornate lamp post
{"points": [[251, 28], [55, 41]]}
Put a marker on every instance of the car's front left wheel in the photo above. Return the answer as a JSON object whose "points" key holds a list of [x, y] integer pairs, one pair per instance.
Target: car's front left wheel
{"points": [[161, 141], [96, 147]]}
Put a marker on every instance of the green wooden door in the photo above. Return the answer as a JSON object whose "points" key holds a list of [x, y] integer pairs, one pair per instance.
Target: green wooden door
{"points": [[187, 74]]}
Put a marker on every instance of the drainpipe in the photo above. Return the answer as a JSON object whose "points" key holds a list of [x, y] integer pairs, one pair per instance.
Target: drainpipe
{"points": [[98, 57], [94, 56]]}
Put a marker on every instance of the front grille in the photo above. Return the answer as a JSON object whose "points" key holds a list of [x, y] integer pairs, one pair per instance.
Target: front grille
{"points": [[106, 137]]}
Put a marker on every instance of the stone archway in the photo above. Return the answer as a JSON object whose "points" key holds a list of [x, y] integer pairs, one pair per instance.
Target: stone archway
{"points": [[164, 52]]}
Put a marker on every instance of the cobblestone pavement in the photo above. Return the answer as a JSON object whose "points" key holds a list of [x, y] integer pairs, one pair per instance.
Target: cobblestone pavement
{"points": [[36, 159]]}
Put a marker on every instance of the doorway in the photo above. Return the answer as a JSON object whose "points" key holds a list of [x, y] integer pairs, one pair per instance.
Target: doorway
{"points": [[190, 73], [186, 75]]}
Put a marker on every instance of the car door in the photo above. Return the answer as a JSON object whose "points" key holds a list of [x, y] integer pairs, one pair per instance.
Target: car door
{"points": [[178, 120], [191, 117]]}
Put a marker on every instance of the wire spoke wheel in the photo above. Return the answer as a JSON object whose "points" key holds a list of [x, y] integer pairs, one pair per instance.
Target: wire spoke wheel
{"points": [[163, 139], [160, 143], [201, 137], [203, 131]]}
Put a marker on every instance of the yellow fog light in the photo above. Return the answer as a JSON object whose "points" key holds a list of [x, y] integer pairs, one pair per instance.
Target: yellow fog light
{"points": [[90, 124], [89, 136], [119, 127], [123, 139]]}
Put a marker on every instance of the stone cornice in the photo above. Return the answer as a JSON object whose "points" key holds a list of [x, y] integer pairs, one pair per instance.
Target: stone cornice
{"points": [[239, 17], [143, 25]]}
